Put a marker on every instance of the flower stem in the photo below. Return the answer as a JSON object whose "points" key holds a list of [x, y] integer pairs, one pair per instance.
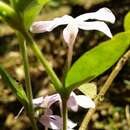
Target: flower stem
{"points": [[68, 62], [69, 56], [30, 110], [64, 113], [41, 58], [104, 89]]}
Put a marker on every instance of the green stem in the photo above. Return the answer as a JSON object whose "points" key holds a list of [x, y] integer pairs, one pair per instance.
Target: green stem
{"points": [[64, 95], [104, 89], [30, 110], [64, 113], [41, 58]]}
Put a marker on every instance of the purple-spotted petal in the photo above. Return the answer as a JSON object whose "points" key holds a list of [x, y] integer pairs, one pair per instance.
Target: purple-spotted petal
{"points": [[85, 101], [96, 25], [103, 14], [55, 122], [47, 26], [49, 100], [46, 101], [52, 121], [70, 33], [72, 103]]}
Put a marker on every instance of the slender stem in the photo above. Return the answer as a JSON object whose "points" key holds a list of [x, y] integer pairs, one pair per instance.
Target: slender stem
{"points": [[30, 110], [41, 58], [64, 98], [64, 113], [104, 89], [69, 56], [68, 62]]}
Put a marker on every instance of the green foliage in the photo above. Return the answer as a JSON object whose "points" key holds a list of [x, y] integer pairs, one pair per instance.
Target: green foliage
{"points": [[9, 15], [88, 89], [20, 5], [16, 88], [29, 9], [127, 22], [97, 60]]}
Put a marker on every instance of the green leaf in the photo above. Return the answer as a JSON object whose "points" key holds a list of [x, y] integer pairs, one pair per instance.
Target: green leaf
{"points": [[29, 9], [30, 13], [16, 88], [127, 22], [89, 89], [20, 5], [8, 14], [97, 60]]}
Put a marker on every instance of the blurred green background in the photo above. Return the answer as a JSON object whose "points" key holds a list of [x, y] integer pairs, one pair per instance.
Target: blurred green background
{"points": [[114, 111]]}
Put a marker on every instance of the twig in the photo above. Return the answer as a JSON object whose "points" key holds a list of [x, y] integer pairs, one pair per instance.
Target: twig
{"points": [[104, 89], [127, 115]]}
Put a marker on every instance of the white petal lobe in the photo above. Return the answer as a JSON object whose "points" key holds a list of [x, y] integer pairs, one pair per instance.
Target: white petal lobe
{"points": [[96, 25], [70, 33], [106, 14], [41, 26], [47, 26], [85, 101], [103, 14]]}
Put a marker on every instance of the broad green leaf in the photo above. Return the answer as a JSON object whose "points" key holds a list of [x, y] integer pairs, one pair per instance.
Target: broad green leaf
{"points": [[127, 22], [16, 88], [89, 89], [97, 60], [29, 9]]}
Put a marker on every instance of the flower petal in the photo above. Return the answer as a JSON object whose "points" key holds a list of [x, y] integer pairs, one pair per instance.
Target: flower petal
{"points": [[52, 121], [70, 33], [104, 14], [71, 125], [72, 103], [85, 101], [38, 101], [47, 26], [49, 100], [55, 122], [96, 25]]}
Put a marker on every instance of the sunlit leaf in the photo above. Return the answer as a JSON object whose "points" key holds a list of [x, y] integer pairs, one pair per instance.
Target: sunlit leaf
{"points": [[28, 8], [16, 88], [127, 22], [88, 89], [97, 60]]}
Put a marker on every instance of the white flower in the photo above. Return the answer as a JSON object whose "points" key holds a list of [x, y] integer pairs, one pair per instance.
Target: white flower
{"points": [[48, 119], [55, 122], [81, 100], [74, 24]]}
